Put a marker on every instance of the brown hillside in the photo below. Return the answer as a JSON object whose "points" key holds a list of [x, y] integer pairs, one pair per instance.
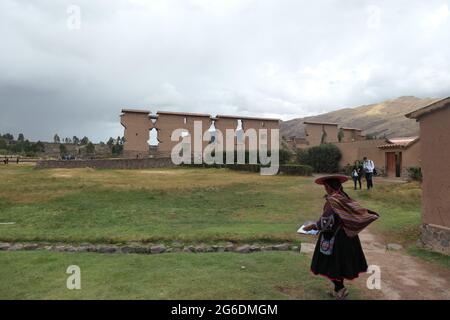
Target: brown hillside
{"points": [[385, 118]]}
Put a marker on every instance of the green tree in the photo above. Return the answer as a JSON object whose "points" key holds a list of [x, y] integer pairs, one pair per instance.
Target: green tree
{"points": [[39, 147], [90, 148], [323, 158], [62, 150], [117, 148], [110, 142], [3, 144], [56, 139], [84, 141], [75, 140], [8, 137], [21, 137]]}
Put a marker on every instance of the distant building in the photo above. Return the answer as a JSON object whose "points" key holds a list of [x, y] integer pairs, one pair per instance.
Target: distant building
{"points": [[351, 134], [321, 132], [392, 157], [434, 121], [400, 154], [297, 143]]}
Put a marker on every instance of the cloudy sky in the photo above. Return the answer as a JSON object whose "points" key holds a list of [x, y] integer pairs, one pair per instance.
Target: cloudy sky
{"points": [[69, 67]]}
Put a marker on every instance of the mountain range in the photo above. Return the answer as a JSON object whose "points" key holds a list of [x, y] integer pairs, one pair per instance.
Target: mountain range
{"points": [[384, 119]]}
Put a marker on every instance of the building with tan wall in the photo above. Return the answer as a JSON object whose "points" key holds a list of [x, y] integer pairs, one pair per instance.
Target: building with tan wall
{"points": [[351, 134], [392, 157], [357, 150], [297, 143], [321, 132], [399, 155], [434, 121], [138, 123], [167, 122], [262, 130]]}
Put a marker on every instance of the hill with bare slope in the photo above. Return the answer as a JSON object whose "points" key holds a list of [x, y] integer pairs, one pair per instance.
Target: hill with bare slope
{"points": [[386, 118]]}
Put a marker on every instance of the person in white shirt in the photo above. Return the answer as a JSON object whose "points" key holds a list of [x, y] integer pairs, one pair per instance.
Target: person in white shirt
{"points": [[368, 167]]}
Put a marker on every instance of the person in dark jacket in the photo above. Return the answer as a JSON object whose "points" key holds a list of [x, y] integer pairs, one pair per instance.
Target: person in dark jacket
{"points": [[338, 254]]}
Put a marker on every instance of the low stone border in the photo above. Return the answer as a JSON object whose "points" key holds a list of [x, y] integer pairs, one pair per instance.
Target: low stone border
{"points": [[147, 249]]}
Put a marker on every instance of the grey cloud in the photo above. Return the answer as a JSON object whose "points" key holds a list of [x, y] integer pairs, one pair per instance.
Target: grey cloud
{"points": [[283, 58]]}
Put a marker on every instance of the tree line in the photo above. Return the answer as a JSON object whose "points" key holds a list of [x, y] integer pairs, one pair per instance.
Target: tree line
{"points": [[24, 147], [20, 146]]}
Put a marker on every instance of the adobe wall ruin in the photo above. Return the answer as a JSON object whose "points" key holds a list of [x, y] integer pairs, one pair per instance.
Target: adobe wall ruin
{"points": [[139, 123]]}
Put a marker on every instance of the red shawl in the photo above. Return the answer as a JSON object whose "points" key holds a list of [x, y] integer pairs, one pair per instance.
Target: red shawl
{"points": [[353, 216]]}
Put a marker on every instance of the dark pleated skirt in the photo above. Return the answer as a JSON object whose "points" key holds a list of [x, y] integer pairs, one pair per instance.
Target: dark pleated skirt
{"points": [[347, 260]]}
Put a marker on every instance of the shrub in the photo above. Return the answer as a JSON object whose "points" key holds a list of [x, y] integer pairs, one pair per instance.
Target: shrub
{"points": [[285, 156], [415, 173], [323, 158], [299, 170]]}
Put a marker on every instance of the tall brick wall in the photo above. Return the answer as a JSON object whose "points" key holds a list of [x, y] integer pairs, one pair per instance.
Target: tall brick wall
{"points": [[138, 123]]}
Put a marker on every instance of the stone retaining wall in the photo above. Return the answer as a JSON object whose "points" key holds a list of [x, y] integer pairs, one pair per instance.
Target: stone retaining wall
{"points": [[149, 248], [436, 238], [107, 163]]}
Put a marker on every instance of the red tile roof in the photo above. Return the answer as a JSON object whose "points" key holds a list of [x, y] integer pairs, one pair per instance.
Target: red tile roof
{"points": [[401, 142]]}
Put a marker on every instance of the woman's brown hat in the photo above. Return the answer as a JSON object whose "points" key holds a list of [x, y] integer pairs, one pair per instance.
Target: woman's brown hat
{"points": [[341, 178]]}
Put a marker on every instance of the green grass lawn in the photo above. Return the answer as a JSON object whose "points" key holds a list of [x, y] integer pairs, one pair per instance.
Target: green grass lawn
{"points": [[430, 256], [177, 204], [266, 275], [223, 206], [191, 205], [399, 208]]}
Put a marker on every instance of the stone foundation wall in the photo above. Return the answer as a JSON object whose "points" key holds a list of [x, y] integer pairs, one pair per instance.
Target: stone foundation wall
{"points": [[107, 163], [436, 238]]}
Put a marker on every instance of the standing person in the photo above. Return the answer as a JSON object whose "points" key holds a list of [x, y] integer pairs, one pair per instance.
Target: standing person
{"points": [[356, 176], [369, 167], [338, 254]]}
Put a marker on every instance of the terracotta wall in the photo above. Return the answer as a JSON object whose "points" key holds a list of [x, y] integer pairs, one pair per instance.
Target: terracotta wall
{"points": [[222, 124], [137, 133], [259, 124], [351, 135], [138, 124], [352, 151], [411, 156], [168, 122], [314, 133], [435, 160]]}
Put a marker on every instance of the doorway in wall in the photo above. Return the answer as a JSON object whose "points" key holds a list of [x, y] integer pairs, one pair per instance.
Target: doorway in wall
{"points": [[393, 164]]}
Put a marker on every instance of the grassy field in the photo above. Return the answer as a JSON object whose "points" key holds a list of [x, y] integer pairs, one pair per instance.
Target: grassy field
{"points": [[153, 205], [268, 275], [164, 205]]}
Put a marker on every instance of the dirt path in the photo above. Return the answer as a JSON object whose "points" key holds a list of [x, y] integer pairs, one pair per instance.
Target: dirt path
{"points": [[403, 277]]}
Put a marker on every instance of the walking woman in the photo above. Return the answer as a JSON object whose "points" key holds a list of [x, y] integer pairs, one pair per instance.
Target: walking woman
{"points": [[338, 254]]}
